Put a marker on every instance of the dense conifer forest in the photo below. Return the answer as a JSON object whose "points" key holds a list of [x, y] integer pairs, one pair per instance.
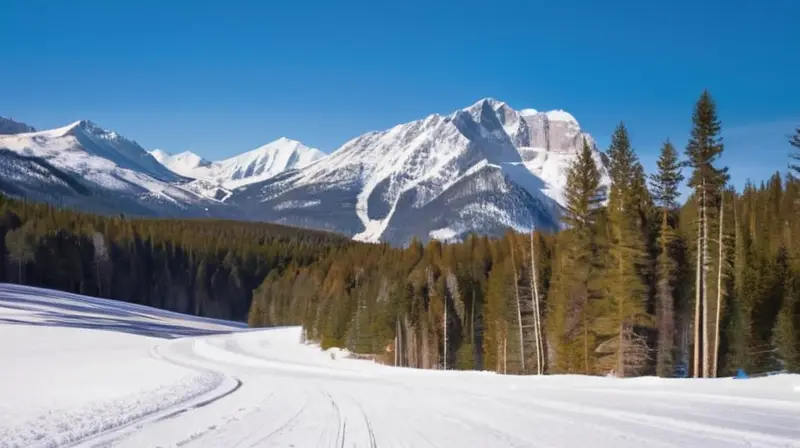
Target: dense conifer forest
{"points": [[637, 284]]}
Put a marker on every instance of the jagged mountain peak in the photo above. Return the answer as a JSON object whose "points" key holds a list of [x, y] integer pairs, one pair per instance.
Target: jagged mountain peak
{"points": [[85, 126], [481, 168]]}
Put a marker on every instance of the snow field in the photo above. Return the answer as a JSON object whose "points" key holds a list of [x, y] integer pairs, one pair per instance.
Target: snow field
{"points": [[202, 384]]}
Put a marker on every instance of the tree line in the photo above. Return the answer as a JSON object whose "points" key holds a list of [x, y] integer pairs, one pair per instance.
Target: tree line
{"points": [[202, 267], [636, 284]]}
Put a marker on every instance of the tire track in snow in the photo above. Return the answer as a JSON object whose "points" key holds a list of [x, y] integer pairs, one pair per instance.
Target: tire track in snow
{"points": [[341, 429], [372, 442], [116, 433], [285, 425], [664, 423]]}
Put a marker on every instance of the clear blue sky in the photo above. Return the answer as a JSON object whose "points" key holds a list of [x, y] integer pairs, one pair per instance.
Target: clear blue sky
{"points": [[223, 77]]}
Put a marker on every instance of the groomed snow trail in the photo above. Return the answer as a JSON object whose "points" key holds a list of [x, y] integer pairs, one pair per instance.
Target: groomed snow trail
{"points": [[294, 395]]}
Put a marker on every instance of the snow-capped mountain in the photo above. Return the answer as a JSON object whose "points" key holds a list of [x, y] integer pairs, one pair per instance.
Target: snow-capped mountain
{"points": [[185, 163], [250, 167], [483, 168], [98, 170]]}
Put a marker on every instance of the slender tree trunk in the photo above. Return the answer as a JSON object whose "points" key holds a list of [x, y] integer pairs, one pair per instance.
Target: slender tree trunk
{"points": [[499, 355], [472, 319], [719, 287], [519, 309], [706, 342], [698, 293], [536, 315], [621, 316], [444, 324], [397, 342], [505, 354]]}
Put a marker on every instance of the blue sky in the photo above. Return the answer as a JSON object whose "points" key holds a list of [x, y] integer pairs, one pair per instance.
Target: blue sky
{"points": [[224, 77]]}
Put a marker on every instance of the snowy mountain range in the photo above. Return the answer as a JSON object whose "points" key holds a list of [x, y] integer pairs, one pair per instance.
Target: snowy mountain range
{"points": [[482, 169], [84, 166], [216, 179]]}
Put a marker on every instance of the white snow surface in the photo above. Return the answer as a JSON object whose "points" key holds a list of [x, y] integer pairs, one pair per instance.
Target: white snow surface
{"points": [[69, 376], [253, 166]]}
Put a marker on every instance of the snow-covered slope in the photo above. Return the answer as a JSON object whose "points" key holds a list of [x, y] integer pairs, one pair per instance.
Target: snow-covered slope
{"points": [[117, 173], [253, 166], [185, 163], [90, 371], [484, 168]]}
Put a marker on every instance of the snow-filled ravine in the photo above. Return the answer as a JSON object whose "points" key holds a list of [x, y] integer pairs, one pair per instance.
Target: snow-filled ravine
{"points": [[78, 371]]}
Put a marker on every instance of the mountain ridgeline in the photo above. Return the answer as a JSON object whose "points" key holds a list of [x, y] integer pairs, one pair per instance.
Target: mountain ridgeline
{"points": [[634, 283], [481, 169]]}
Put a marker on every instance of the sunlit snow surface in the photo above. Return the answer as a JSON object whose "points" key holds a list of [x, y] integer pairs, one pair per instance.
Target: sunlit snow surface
{"points": [[161, 379], [253, 166]]}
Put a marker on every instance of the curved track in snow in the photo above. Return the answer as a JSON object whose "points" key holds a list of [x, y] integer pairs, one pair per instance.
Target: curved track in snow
{"points": [[276, 392], [296, 395]]}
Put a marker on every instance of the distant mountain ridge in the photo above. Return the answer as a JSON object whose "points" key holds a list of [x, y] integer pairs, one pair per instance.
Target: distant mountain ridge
{"points": [[484, 168], [8, 127], [84, 166], [252, 166]]}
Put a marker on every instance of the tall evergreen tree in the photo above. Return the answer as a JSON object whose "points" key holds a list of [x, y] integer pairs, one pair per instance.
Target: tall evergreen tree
{"points": [[786, 332], [703, 150], [665, 190], [576, 287], [625, 281]]}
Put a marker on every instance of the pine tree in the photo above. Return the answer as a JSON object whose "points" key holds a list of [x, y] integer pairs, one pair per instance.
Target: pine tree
{"points": [[584, 194], [575, 288], [665, 190], [704, 148], [626, 284], [786, 332]]}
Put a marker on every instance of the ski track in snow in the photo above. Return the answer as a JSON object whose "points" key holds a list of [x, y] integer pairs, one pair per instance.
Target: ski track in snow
{"points": [[212, 385]]}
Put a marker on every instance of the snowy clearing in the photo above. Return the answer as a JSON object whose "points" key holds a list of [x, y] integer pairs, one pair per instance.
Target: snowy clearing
{"points": [[163, 379]]}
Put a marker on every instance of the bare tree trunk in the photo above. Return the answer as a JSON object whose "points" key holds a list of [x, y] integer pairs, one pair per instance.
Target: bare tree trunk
{"points": [[537, 328], [397, 342], [622, 336], [505, 354], [698, 292], [719, 287], [499, 357], [519, 309], [444, 324], [585, 319], [472, 320], [706, 342]]}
